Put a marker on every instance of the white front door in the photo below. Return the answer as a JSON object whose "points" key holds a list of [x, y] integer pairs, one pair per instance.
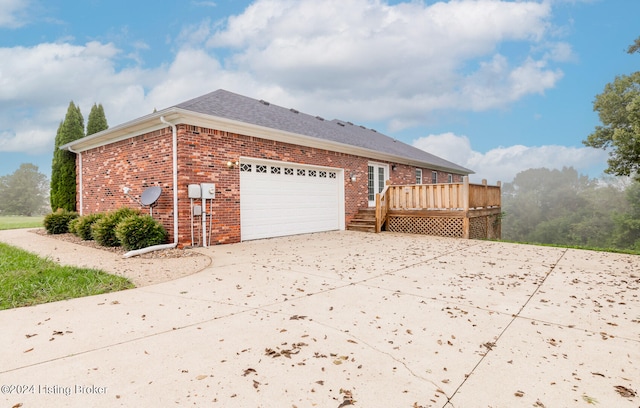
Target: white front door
{"points": [[378, 174]]}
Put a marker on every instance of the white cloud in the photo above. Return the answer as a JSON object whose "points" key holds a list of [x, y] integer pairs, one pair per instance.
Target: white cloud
{"points": [[361, 60], [503, 163], [39, 82], [368, 60], [12, 13]]}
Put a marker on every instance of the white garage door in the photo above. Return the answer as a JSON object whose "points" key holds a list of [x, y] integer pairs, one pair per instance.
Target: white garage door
{"points": [[278, 199]]}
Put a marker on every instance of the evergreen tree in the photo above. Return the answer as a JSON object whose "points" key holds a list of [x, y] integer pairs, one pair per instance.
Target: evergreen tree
{"points": [[63, 167], [97, 121]]}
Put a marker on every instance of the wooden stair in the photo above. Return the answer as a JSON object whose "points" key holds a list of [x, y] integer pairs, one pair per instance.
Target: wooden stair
{"points": [[364, 220]]}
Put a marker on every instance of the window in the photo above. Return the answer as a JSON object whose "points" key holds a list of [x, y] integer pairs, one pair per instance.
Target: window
{"points": [[450, 176], [275, 170], [312, 173], [300, 172], [322, 174], [332, 174], [288, 171], [418, 176], [245, 167], [260, 168], [434, 177], [371, 184]]}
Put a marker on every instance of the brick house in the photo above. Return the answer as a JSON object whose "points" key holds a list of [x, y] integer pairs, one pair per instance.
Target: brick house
{"points": [[254, 169]]}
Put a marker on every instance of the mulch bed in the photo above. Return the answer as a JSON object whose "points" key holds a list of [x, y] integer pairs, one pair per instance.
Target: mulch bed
{"points": [[165, 253]]}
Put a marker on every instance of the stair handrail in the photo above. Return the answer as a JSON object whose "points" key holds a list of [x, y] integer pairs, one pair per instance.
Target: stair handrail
{"points": [[382, 206]]}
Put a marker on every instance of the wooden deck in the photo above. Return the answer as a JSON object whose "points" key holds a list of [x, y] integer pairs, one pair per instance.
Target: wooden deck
{"points": [[462, 210]]}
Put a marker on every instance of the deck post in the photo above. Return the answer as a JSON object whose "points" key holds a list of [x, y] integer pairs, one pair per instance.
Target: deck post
{"points": [[465, 206], [378, 213], [485, 194]]}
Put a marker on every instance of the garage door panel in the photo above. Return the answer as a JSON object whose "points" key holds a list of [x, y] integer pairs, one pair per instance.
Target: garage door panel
{"points": [[293, 199]]}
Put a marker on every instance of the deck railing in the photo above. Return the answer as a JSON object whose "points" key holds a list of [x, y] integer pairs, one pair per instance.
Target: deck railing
{"points": [[449, 196], [464, 199]]}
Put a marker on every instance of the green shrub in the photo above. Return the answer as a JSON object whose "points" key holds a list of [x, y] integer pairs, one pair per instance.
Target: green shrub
{"points": [[58, 222], [84, 223], [140, 231], [73, 226], [104, 229]]}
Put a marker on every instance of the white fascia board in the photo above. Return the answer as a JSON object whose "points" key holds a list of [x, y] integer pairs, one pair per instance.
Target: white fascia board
{"points": [[127, 130], [150, 123]]}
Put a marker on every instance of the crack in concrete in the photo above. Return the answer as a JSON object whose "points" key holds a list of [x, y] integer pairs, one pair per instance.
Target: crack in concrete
{"points": [[515, 317]]}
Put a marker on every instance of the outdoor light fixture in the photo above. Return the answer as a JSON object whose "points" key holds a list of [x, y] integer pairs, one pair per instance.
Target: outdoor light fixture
{"points": [[232, 165], [394, 167], [126, 190], [353, 177]]}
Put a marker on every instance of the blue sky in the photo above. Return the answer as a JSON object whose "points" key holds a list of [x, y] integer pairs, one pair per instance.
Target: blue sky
{"points": [[496, 86]]}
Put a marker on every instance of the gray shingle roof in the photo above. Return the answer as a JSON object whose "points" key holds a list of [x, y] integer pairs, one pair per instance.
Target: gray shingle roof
{"points": [[232, 106]]}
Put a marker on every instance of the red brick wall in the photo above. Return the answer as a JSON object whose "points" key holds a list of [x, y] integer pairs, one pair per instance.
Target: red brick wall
{"points": [[146, 160]]}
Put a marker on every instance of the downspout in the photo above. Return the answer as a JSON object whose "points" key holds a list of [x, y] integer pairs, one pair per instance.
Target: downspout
{"points": [[175, 178], [79, 154]]}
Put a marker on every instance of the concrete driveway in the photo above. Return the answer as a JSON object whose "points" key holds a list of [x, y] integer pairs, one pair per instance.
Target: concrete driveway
{"points": [[343, 318]]}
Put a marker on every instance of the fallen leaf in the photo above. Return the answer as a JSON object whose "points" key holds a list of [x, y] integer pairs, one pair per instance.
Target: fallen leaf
{"points": [[248, 371], [201, 377], [30, 335], [624, 391], [519, 393], [26, 351]]}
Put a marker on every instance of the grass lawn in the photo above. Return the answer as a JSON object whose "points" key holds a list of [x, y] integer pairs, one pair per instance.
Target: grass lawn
{"points": [[15, 222], [26, 279]]}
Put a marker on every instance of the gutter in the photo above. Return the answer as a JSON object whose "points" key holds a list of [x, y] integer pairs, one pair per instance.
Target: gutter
{"points": [[174, 133]]}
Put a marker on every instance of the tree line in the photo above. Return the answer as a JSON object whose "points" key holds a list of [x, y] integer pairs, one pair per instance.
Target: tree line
{"points": [[562, 207]]}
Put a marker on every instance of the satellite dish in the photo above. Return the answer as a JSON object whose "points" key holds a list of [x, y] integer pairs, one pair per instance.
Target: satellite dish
{"points": [[150, 195]]}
